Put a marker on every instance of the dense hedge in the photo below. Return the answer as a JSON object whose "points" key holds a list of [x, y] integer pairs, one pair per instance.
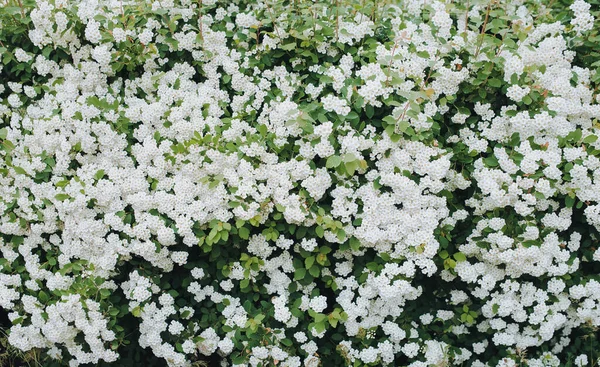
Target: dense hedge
{"points": [[300, 183]]}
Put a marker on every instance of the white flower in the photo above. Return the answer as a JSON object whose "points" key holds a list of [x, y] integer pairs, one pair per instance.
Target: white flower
{"points": [[92, 31], [22, 56], [175, 327], [308, 245]]}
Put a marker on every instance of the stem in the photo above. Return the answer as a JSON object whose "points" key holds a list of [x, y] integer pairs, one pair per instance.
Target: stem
{"points": [[200, 22], [497, 53], [272, 19], [373, 11], [22, 10], [314, 24], [592, 350], [428, 76], [482, 36], [401, 117], [362, 6], [337, 19], [387, 79], [467, 16], [489, 73], [257, 37]]}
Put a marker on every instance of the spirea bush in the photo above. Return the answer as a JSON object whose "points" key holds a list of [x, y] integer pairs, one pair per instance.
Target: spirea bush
{"points": [[300, 183]]}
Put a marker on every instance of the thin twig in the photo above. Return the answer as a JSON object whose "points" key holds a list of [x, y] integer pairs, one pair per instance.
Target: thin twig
{"points": [[387, 79], [272, 19], [482, 36], [200, 21], [467, 16], [373, 12], [337, 19], [401, 117], [22, 10], [257, 37]]}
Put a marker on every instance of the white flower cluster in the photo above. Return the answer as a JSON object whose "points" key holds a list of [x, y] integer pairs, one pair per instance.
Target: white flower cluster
{"points": [[583, 20], [335, 104]]}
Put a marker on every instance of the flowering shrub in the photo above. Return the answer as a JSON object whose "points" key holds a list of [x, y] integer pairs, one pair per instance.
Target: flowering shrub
{"points": [[301, 183]]}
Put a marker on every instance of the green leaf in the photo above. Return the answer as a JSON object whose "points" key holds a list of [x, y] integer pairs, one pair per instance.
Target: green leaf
{"points": [[12, 10], [62, 197], [348, 157], [370, 111], [213, 233], [309, 261], [333, 161], [403, 126], [491, 161], [244, 233], [137, 312], [353, 116], [496, 83], [19, 170], [569, 201], [320, 231], [99, 175], [8, 146], [43, 297], [354, 243], [320, 327], [459, 256], [341, 234], [288, 46], [105, 293], [390, 120], [319, 317], [574, 136], [449, 263], [325, 249], [299, 274]]}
